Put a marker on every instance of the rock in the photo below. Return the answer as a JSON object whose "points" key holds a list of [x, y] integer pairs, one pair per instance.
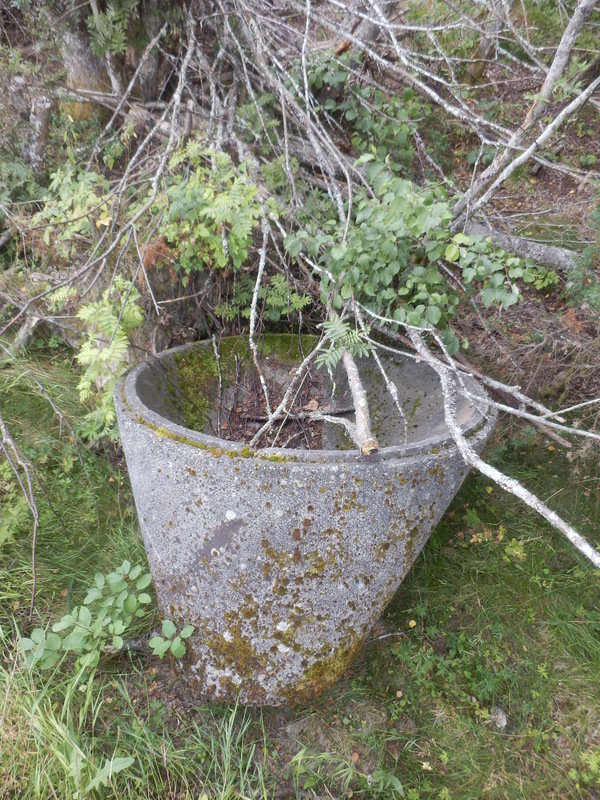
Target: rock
{"points": [[498, 717]]}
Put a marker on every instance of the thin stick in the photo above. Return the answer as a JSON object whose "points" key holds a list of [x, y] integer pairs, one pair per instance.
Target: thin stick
{"points": [[220, 395], [18, 462], [282, 407], [266, 229]]}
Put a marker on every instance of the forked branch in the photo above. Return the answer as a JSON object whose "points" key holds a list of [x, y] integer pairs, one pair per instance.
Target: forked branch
{"points": [[449, 390]]}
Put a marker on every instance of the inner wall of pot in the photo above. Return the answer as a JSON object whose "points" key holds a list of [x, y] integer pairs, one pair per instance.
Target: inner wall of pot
{"points": [[182, 386]]}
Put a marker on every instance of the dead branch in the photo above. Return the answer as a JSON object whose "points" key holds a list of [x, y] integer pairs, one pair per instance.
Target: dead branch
{"points": [[127, 93], [550, 256], [362, 435], [282, 409], [449, 389], [24, 473], [482, 187]]}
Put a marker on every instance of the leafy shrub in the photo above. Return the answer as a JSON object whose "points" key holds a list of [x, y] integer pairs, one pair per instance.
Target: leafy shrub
{"points": [[209, 211], [397, 253], [105, 353], [101, 623]]}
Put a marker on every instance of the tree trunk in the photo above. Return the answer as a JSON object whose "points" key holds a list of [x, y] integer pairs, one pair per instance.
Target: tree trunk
{"points": [[148, 77], [499, 11], [548, 255], [39, 121], [84, 70]]}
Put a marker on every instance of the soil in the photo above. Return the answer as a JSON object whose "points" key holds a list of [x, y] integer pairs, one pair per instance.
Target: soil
{"points": [[227, 399], [243, 418]]}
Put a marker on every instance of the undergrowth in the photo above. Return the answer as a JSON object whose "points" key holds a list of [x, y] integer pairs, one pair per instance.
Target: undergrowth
{"points": [[480, 681]]}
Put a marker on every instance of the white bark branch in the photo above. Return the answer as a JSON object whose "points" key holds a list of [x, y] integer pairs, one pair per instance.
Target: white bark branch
{"points": [[363, 436], [557, 68], [471, 458], [550, 256]]}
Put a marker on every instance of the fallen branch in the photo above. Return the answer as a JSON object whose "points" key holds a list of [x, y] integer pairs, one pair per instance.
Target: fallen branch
{"points": [[7, 236], [23, 471], [550, 256], [445, 374], [282, 408], [362, 434]]}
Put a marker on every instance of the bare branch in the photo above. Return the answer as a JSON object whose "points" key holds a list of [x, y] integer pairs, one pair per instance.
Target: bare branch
{"points": [[470, 457], [24, 473], [363, 436]]}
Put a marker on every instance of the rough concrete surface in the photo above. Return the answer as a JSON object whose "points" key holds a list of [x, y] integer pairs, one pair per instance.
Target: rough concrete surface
{"points": [[282, 560]]}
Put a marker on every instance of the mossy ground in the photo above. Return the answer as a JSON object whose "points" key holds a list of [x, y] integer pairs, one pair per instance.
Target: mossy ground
{"points": [[498, 620]]}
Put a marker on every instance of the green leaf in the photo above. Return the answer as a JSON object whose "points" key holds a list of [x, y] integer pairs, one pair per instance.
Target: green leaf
{"points": [[63, 624], [168, 628], [433, 315], [452, 253], [178, 647], [49, 660], [450, 341], [117, 642], [144, 581], [53, 641], [488, 295], [159, 646], [187, 631], [292, 245], [99, 580], [93, 594], [38, 635], [144, 598], [130, 603], [90, 660], [461, 238], [373, 170], [338, 251], [118, 585]]}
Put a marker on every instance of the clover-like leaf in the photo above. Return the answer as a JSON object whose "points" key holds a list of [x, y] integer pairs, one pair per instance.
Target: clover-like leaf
{"points": [[177, 647], [159, 646], [143, 581]]}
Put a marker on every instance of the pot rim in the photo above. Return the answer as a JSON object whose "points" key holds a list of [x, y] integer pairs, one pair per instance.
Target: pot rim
{"points": [[126, 396]]}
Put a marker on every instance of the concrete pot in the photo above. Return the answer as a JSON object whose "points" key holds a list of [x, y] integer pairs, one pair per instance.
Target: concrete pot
{"points": [[283, 560]]}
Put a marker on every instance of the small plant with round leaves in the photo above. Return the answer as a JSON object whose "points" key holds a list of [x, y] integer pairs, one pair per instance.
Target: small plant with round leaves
{"points": [[101, 624], [170, 642]]}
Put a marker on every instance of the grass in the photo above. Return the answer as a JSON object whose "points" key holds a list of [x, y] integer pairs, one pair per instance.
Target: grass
{"points": [[498, 622]]}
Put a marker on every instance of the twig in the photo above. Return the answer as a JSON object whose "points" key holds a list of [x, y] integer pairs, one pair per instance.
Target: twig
{"points": [[283, 406], [266, 229], [220, 394], [18, 462]]}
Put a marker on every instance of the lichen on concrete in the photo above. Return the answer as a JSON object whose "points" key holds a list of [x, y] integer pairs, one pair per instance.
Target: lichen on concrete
{"points": [[282, 564]]}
